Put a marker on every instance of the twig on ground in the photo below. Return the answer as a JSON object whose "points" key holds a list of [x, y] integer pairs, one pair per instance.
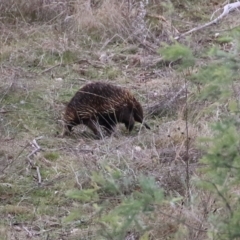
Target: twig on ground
{"points": [[48, 69], [39, 176], [109, 40], [187, 146], [182, 222], [5, 111], [226, 10], [76, 177], [146, 44], [29, 234], [177, 95], [161, 106], [37, 148], [31, 154], [80, 79], [161, 18], [6, 92]]}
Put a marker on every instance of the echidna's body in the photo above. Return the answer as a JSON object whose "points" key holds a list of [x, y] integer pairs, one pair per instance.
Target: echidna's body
{"points": [[105, 105]]}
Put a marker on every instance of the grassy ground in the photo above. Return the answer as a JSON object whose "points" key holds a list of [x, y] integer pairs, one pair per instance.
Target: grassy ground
{"points": [[41, 69]]}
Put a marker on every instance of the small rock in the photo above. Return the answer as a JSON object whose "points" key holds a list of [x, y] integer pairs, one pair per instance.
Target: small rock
{"points": [[137, 148]]}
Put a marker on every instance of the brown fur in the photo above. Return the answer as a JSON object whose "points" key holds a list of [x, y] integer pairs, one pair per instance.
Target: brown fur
{"points": [[105, 105]]}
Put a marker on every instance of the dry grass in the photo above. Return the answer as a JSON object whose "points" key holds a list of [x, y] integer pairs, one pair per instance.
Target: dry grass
{"points": [[42, 65]]}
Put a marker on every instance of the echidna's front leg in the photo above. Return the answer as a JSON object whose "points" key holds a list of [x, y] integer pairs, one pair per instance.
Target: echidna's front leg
{"points": [[93, 125], [127, 118], [129, 124], [67, 128]]}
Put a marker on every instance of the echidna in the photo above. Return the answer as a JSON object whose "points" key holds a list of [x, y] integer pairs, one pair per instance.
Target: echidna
{"points": [[103, 104]]}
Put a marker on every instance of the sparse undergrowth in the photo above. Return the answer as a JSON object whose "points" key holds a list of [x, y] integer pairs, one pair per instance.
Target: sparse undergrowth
{"points": [[142, 185]]}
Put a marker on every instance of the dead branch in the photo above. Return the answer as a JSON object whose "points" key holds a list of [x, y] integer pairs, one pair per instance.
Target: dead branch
{"points": [[163, 19], [163, 106], [39, 176], [5, 111], [146, 44], [176, 95], [6, 92], [76, 177], [31, 154], [226, 10], [37, 148], [109, 41], [29, 233], [48, 69]]}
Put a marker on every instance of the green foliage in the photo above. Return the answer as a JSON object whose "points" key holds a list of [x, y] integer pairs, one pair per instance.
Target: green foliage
{"points": [[108, 72], [224, 39], [29, 111], [41, 193], [222, 158], [176, 52], [66, 94], [108, 184], [132, 208], [69, 56], [129, 213], [4, 231], [217, 78], [222, 165], [111, 72], [83, 195], [73, 216], [54, 57], [51, 156]]}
